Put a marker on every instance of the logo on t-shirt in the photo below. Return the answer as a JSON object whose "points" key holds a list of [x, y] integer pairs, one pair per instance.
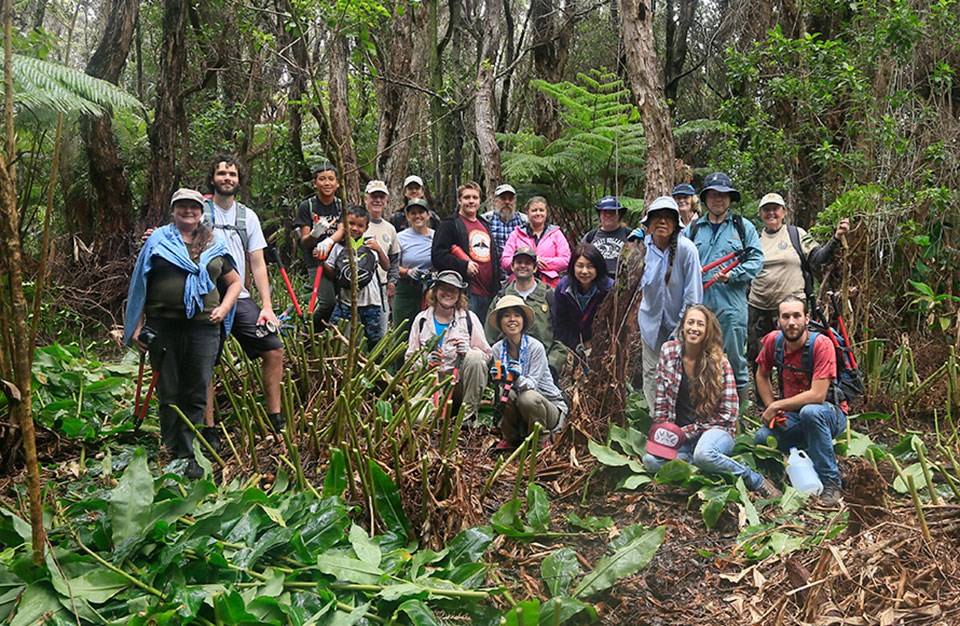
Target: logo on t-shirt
{"points": [[480, 246], [609, 248]]}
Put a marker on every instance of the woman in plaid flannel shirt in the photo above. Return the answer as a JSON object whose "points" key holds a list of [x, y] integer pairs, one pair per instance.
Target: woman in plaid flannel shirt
{"points": [[696, 390]]}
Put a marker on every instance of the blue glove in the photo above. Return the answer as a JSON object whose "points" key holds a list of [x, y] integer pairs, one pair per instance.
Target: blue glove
{"points": [[513, 369], [636, 233]]}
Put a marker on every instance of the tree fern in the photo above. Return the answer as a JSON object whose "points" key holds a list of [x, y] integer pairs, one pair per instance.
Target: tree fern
{"points": [[41, 84]]}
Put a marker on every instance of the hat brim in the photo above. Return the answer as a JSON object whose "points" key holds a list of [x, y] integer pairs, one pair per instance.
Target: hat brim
{"points": [[662, 451], [527, 316], [734, 194]]}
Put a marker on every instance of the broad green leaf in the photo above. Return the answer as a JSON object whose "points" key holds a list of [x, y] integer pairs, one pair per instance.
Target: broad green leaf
{"points": [[558, 571], [349, 569], [525, 612], [96, 586], [274, 514], [626, 561], [506, 520], [393, 593], [335, 481], [870, 415], [387, 497], [792, 500], [418, 613], [469, 545], [859, 443], [38, 604], [915, 470], [365, 549], [342, 618], [634, 481], [17, 525], [590, 523], [131, 500], [561, 610], [231, 609], [674, 472], [712, 508], [612, 458], [632, 441], [751, 511], [324, 525], [538, 508]]}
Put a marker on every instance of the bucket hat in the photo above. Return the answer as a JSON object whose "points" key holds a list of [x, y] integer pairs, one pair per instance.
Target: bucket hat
{"points": [[720, 182], [508, 302]]}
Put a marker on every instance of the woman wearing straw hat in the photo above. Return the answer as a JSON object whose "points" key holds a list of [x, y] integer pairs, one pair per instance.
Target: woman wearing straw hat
{"points": [[530, 395]]}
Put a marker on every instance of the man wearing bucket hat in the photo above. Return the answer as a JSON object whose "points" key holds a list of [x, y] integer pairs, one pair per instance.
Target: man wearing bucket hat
{"points": [[520, 365], [670, 283], [611, 235], [718, 234], [540, 298], [687, 202], [460, 341]]}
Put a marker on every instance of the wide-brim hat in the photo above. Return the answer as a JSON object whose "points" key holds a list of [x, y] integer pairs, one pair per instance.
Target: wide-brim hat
{"points": [[663, 203], [719, 182], [187, 194], [508, 302], [452, 278], [665, 440], [609, 203]]}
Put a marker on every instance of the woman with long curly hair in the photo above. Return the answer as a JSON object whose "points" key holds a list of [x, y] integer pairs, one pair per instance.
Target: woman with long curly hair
{"points": [[696, 407]]}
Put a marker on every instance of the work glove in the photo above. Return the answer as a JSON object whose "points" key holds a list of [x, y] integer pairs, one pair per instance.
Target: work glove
{"points": [[514, 371], [778, 421], [524, 383], [636, 233], [415, 274], [320, 226], [322, 251], [497, 372]]}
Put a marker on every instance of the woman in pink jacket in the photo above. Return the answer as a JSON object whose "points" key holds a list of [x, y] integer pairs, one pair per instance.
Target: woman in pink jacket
{"points": [[553, 251]]}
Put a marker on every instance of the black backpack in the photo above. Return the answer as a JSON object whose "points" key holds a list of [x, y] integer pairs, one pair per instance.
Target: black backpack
{"points": [[366, 267], [848, 380]]}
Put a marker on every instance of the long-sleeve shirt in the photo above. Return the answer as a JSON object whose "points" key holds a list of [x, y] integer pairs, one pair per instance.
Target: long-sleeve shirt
{"points": [[470, 335], [663, 305], [535, 371], [782, 273], [669, 372], [573, 323], [552, 249]]}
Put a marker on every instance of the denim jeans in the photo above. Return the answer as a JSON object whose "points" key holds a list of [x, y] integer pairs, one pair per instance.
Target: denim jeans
{"points": [[813, 428], [710, 452], [480, 305], [369, 318]]}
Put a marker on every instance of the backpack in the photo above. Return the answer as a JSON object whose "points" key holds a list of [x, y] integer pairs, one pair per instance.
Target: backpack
{"points": [[239, 227], [847, 385], [423, 321], [366, 267]]}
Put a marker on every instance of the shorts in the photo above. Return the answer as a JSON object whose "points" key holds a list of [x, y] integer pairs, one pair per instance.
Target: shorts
{"points": [[245, 330]]}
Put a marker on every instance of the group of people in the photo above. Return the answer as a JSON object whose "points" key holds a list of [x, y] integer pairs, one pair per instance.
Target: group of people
{"points": [[501, 298]]}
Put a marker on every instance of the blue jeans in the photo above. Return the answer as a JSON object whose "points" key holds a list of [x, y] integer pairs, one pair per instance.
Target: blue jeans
{"points": [[479, 305], [813, 428], [711, 453], [369, 319]]}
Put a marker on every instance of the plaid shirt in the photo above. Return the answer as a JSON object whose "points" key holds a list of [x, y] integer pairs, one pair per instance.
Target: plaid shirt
{"points": [[501, 230], [669, 372]]}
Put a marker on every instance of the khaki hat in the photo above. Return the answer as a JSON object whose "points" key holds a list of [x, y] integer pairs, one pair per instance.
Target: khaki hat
{"points": [[502, 189], [452, 278], [187, 194], [376, 185], [508, 302], [413, 179], [773, 198]]}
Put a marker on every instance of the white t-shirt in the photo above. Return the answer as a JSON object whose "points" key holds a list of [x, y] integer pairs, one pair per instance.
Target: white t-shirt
{"points": [[255, 238]]}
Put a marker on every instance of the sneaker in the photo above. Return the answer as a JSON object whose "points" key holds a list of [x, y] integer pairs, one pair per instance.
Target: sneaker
{"points": [[768, 491], [193, 470], [212, 435], [831, 494]]}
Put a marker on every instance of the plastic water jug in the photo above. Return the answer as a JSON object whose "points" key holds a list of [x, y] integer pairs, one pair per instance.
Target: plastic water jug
{"points": [[802, 475]]}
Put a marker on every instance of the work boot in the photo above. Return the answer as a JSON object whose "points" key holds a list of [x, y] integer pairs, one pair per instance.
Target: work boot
{"points": [[212, 435], [768, 491], [830, 496], [276, 421], [193, 471]]}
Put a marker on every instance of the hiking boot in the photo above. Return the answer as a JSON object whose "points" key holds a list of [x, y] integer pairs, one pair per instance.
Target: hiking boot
{"points": [[193, 471], [830, 496], [212, 435], [276, 421], [768, 491]]}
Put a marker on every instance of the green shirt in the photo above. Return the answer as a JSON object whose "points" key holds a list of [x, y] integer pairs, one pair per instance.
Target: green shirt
{"points": [[165, 284]]}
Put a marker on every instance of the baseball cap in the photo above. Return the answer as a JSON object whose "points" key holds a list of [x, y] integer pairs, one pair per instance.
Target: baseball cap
{"points": [[452, 278], [413, 178], [376, 185], [684, 189], [526, 251], [418, 203], [720, 182], [665, 440], [773, 198], [186, 194], [505, 189], [663, 203], [609, 203]]}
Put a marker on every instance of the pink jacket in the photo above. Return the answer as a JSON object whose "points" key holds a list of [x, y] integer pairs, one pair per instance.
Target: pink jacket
{"points": [[553, 250]]}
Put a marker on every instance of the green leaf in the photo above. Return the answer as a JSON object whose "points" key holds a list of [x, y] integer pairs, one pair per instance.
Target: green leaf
{"points": [[274, 515], [612, 458], [711, 510], [523, 613], [558, 571], [590, 523], [870, 415], [626, 561], [562, 610], [915, 470], [632, 441], [418, 612], [341, 618], [751, 511], [365, 549], [393, 593], [634, 481], [506, 520], [96, 586], [674, 472], [792, 500], [387, 498], [538, 508], [38, 605], [349, 569], [469, 545], [131, 500], [335, 482]]}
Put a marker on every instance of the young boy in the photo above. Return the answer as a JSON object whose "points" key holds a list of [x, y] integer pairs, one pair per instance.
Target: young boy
{"points": [[369, 254], [318, 221]]}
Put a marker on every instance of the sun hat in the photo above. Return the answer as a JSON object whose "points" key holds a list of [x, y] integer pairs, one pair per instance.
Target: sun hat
{"points": [[665, 440], [502, 189], [452, 278], [187, 194], [609, 203], [413, 178], [376, 185], [663, 203], [772, 198], [719, 182], [683, 189], [508, 302]]}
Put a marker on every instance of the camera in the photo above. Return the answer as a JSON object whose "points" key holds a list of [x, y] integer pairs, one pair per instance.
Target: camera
{"points": [[146, 336]]}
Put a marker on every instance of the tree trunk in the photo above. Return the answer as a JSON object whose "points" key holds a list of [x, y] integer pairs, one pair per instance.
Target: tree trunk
{"points": [[484, 104], [641, 55], [162, 171], [551, 48], [112, 221], [340, 117], [679, 18]]}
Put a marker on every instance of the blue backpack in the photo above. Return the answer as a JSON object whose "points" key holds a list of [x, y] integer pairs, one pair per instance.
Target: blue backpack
{"points": [[847, 385]]}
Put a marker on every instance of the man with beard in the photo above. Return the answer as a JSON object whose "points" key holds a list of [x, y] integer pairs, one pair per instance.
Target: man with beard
{"points": [[240, 229], [805, 416]]}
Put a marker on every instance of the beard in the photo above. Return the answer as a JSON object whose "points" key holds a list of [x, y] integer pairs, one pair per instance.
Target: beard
{"points": [[793, 334], [225, 192]]}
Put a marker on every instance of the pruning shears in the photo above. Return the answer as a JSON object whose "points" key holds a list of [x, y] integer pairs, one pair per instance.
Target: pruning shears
{"points": [[736, 258]]}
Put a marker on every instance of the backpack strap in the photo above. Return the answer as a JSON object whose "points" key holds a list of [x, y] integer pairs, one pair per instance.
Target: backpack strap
{"points": [[806, 357], [239, 226], [737, 220], [794, 234]]}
